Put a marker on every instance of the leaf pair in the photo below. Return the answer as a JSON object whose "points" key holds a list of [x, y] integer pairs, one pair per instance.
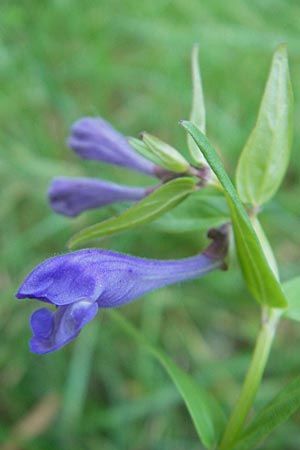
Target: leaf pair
{"points": [[264, 159], [261, 168], [258, 275]]}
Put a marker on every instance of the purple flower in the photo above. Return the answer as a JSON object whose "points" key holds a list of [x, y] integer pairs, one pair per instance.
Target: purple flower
{"points": [[71, 196], [79, 283], [94, 138]]}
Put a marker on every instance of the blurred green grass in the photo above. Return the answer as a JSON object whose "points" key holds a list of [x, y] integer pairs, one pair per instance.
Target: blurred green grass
{"points": [[129, 62]]}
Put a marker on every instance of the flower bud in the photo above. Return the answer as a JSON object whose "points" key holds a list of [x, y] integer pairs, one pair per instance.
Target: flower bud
{"points": [[94, 138], [72, 196]]}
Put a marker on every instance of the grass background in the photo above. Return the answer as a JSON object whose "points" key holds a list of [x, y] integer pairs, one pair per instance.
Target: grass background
{"points": [[129, 62]]}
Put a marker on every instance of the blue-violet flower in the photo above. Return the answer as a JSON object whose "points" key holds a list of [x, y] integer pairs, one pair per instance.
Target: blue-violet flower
{"points": [[71, 196], [94, 138], [80, 283]]}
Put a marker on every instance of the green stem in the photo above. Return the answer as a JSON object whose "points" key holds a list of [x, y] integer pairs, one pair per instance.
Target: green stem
{"points": [[253, 378]]}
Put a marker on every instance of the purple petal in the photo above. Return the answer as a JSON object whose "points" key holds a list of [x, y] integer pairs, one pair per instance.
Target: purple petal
{"points": [[77, 280], [71, 196], [42, 323], [112, 278], [63, 280], [51, 331], [94, 138]]}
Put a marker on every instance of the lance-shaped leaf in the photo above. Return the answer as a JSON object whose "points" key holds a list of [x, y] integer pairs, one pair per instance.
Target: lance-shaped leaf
{"points": [[168, 156], [198, 107], [291, 289], [206, 413], [286, 402], [154, 205], [259, 277], [264, 159]]}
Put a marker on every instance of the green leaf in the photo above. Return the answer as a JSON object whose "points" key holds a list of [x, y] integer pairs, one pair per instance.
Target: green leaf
{"points": [[143, 150], [168, 156], [154, 205], [198, 107], [202, 210], [265, 244], [264, 159], [258, 275], [291, 289], [207, 416], [286, 402]]}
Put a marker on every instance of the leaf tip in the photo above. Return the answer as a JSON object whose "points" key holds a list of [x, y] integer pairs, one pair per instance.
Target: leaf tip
{"points": [[281, 50], [183, 123]]}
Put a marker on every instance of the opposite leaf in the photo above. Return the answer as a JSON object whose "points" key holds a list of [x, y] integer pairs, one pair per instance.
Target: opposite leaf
{"points": [[259, 277], [206, 413], [264, 159], [154, 205]]}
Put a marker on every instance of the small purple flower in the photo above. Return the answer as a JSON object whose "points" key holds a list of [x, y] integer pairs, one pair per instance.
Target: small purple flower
{"points": [[79, 283], [71, 196], [94, 138]]}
